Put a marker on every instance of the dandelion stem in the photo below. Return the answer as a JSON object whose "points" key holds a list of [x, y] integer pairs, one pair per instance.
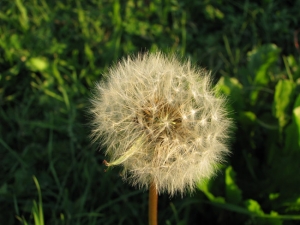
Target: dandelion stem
{"points": [[153, 198]]}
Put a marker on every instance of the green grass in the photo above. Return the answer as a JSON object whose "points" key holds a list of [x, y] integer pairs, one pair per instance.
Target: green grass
{"points": [[52, 53]]}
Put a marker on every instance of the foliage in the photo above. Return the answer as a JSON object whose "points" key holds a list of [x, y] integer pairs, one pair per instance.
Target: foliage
{"points": [[52, 52]]}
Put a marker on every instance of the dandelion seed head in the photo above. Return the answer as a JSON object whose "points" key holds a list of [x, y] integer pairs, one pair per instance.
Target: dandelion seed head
{"points": [[161, 122]]}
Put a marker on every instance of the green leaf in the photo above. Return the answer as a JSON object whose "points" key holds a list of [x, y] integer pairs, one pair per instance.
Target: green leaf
{"points": [[260, 61], [292, 67], [296, 118], [204, 187], [253, 206], [297, 102], [37, 64], [231, 88], [247, 118], [292, 141], [275, 220], [24, 17], [233, 192], [291, 136], [282, 100], [37, 209]]}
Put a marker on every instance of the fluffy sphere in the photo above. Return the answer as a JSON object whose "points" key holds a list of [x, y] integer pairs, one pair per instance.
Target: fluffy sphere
{"points": [[161, 121]]}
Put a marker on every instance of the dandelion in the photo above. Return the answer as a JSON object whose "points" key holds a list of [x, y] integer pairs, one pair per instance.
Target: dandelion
{"points": [[161, 121]]}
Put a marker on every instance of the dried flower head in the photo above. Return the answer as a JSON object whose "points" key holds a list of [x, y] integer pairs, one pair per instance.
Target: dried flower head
{"points": [[159, 118]]}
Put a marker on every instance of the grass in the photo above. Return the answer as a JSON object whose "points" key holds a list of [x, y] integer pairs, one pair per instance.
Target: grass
{"points": [[51, 53]]}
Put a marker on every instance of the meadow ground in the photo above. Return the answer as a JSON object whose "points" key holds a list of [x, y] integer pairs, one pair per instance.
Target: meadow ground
{"points": [[52, 53]]}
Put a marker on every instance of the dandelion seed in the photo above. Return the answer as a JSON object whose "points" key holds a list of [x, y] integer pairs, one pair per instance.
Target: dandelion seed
{"points": [[161, 122]]}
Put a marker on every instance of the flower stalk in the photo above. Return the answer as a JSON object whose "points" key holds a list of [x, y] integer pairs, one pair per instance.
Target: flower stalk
{"points": [[153, 200], [162, 123]]}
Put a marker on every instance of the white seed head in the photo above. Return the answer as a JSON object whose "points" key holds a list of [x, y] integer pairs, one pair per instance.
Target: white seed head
{"points": [[160, 120]]}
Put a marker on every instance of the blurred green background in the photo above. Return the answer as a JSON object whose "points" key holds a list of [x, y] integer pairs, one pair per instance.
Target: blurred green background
{"points": [[52, 53]]}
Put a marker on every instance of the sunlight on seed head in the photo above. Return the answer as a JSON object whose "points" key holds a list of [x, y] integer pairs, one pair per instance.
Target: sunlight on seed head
{"points": [[156, 115]]}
